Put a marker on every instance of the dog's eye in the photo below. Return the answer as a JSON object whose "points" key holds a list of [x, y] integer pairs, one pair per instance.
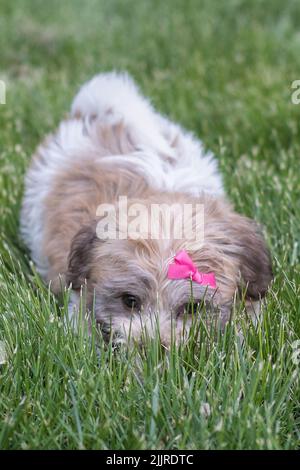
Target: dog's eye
{"points": [[189, 308], [131, 301]]}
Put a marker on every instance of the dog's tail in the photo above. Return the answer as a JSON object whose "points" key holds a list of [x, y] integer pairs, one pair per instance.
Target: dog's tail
{"points": [[112, 98]]}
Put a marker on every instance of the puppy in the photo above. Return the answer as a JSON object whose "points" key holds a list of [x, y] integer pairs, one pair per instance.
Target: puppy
{"points": [[114, 151]]}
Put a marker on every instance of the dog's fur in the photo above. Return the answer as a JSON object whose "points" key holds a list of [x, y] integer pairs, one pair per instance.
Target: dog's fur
{"points": [[116, 144]]}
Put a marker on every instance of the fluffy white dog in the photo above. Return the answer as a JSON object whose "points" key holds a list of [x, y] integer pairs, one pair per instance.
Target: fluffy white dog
{"points": [[116, 146]]}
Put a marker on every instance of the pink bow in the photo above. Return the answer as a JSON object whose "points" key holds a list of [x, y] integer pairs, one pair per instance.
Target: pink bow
{"points": [[184, 268]]}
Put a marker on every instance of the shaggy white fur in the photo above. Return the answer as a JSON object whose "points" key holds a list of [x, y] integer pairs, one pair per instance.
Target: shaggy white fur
{"points": [[169, 157], [183, 166]]}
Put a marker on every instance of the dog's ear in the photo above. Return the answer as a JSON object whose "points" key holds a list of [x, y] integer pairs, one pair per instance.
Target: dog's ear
{"points": [[79, 260], [253, 257]]}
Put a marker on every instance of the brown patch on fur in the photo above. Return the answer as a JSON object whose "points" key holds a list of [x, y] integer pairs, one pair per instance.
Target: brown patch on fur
{"points": [[115, 139], [72, 204], [81, 256], [254, 257]]}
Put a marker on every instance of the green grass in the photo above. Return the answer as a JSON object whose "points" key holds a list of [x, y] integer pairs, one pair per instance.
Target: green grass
{"points": [[224, 70]]}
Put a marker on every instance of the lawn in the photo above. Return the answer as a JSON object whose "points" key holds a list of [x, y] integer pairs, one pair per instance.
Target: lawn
{"points": [[223, 70]]}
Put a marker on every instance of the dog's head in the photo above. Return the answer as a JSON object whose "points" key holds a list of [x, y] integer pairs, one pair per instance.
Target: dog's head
{"points": [[127, 278]]}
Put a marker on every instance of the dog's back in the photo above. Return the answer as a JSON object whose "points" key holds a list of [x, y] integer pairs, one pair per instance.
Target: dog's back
{"points": [[110, 120]]}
